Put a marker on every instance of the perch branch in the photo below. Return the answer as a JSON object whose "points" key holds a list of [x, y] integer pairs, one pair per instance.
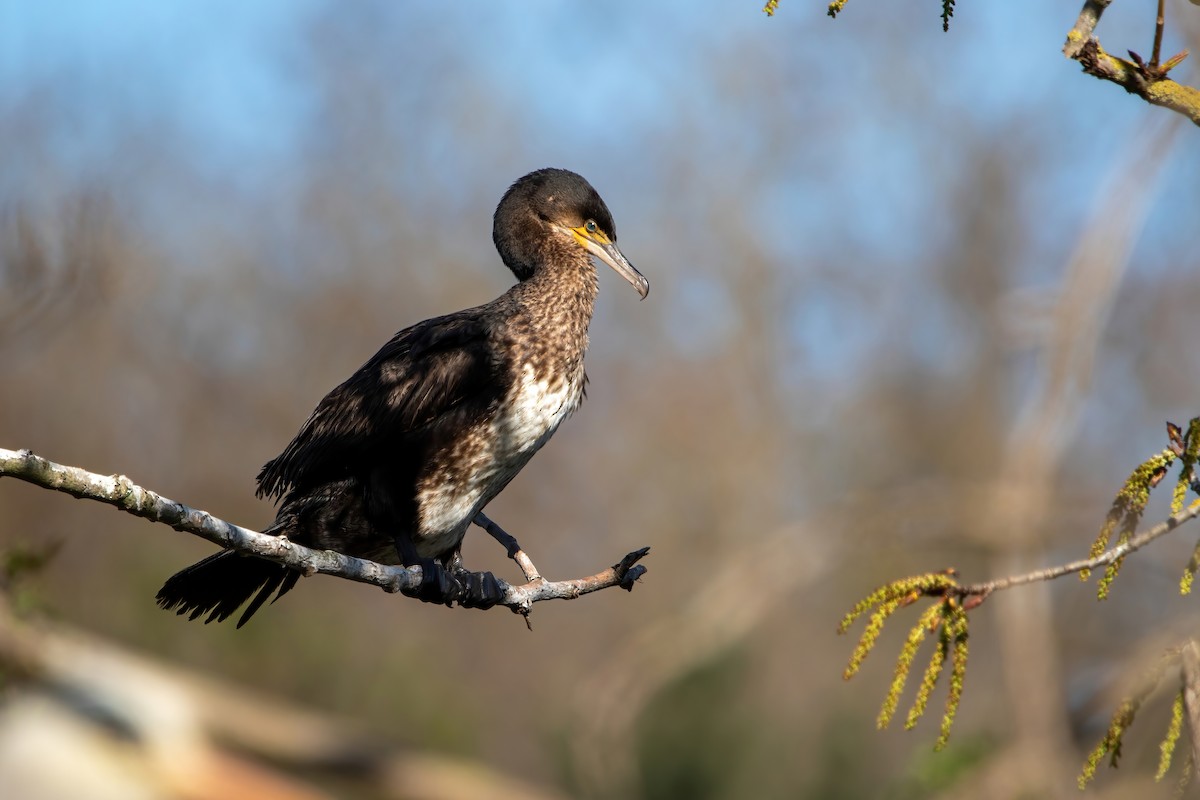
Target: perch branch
{"points": [[121, 492]]}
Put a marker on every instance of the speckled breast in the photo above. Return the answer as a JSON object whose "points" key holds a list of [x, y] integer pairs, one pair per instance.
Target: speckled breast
{"points": [[481, 463]]}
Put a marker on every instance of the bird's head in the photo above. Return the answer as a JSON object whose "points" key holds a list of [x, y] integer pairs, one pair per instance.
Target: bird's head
{"points": [[550, 209]]}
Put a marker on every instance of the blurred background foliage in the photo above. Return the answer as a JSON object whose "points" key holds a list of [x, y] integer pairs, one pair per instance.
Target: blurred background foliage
{"points": [[858, 234]]}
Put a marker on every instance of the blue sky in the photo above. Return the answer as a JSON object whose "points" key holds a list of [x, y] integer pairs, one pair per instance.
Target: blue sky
{"points": [[858, 120], [220, 69]]}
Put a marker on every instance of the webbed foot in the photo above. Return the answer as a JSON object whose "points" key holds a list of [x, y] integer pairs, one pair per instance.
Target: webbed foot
{"points": [[480, 589], [453, 584], [437, 585]]}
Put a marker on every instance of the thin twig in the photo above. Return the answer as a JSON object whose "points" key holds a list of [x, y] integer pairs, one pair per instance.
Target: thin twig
{"points": [[1159, 21], [1102, 560], [121, 492]]}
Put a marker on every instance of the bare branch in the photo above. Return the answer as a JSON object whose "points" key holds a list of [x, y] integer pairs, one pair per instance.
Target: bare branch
{"points": [[1102, 560], [121, 492]]}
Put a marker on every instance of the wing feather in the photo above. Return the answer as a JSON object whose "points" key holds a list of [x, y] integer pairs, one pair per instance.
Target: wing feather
{"points": [[422, 375]]}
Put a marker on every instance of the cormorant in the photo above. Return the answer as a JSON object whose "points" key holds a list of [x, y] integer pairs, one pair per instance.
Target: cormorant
{"points": [[394, 464]]}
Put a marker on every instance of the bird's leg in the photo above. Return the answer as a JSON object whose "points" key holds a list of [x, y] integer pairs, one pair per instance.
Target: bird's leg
{"points": [[437, 585], [511, 545], [479, 589]]}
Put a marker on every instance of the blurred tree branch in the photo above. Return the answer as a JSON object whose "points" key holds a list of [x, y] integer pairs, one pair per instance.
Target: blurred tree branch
{"points": [[121, 492], [1190, 658], [194, 736], [41, 284]]}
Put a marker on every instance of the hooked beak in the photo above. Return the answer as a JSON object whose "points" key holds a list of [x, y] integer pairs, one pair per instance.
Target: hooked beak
{"points": [[609, 254]]}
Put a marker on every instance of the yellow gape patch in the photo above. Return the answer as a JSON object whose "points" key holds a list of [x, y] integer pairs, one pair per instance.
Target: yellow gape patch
{"points": [[582, 235]]}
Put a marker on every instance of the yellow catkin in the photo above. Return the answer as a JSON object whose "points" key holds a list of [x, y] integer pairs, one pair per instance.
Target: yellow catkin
{"points": [[1126, 511], [1192, 451], [1093, 761], [1104, 585], [882, 595], [1191, 454], [869, 636], [1189, 572], [904, 663], [836, 7], [1102, 539], [958, 672], [1174, 729], [930, 678], [1111, 743], [1179, 493], [904, 589]]}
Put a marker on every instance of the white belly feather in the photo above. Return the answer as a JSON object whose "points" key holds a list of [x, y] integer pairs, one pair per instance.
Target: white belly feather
{"points": [[526, 419]]}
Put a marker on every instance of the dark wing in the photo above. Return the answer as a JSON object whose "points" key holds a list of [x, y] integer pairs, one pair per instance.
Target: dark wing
{"points": [[425, 373]]}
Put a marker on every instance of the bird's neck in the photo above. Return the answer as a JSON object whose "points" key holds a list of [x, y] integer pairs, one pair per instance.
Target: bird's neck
{"points": [[556, 306]]}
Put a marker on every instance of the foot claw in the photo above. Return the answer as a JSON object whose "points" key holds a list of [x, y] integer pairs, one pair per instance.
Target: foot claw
{"points": [[481, 590], [469, 589], [437, 586]]}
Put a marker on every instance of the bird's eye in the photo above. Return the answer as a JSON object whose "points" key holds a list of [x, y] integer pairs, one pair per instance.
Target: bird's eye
{"points": [[590, 226]]}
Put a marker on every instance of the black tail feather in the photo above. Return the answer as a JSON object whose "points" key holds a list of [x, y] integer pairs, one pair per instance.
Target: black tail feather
{"points": [[221, 583]]}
